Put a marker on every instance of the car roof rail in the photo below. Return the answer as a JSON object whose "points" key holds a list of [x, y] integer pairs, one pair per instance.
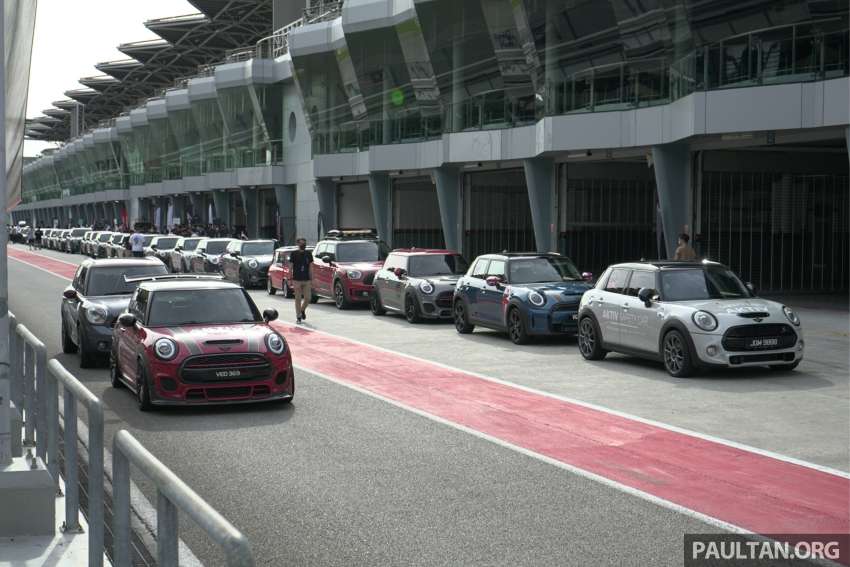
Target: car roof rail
{"points": [[351, 234], [172, 277]]}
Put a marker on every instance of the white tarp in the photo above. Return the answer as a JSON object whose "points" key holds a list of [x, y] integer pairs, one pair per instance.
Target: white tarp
{"points": [[18, 34]]}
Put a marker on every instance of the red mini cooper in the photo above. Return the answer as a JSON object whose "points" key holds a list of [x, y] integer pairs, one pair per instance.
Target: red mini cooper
{"points": [[280, 272], [344, 265], [196, 340]]}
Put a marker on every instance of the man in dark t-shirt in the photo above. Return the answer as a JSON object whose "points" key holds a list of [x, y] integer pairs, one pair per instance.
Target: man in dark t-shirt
{"points": [[300, 261]]}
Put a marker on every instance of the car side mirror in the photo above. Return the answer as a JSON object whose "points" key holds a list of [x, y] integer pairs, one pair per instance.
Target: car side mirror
{"points": [[751, 288], [153, 246], [400, 272], [269, 315], [326, 259], [69, 294], [494, 281], [235, 253], [127, 320], [587, 276], [646, 294]]}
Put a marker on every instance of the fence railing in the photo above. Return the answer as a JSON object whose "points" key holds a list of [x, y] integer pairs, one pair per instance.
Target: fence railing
{"points": [[35, 392], [172, 495]]}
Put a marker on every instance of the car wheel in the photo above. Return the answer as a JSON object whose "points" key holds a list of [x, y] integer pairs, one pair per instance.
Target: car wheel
{"points": [[339, 296], [314, 298], [287, 291], [375, 304], [114, 371], [462, 324], [785, 367], [143, 394], [88, 359], [677, 355], [269, 287], [411, 310], [516, 327], [68, 346], [589, 340]]}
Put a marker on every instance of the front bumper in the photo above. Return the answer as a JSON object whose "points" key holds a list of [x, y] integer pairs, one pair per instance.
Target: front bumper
{"points": [[358, 292], [552, 321], [96, 338], [710, 351]]}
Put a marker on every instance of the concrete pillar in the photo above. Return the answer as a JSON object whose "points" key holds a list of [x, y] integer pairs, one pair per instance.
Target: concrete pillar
{"points": [[672, 164], [161, 221], [251, 204], [178, 208], [448, 182], [326, 193], [847, 138], [199, 208], [221, 203], [285, 197], [540, 180], [380, 189]]}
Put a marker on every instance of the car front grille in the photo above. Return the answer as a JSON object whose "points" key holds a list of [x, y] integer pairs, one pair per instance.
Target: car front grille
{"points": [[759, 337], [227, 367], [444, 299]]}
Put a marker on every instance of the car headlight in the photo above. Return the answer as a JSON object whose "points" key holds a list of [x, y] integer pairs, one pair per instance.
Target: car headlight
{"points": [[426, 287], [252, 263], [275, 343], [793, 317], [354, 274], [96, 314], [536, 299], [214, 259], [166, 349], [704, 320]]}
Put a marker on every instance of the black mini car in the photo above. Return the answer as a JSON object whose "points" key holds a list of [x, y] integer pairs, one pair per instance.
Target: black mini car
{"points": [[247, 262]]}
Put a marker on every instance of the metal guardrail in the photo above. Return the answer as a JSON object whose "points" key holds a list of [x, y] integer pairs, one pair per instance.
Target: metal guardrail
{"points": [[74, 392], [35, 391], [172, 494]]}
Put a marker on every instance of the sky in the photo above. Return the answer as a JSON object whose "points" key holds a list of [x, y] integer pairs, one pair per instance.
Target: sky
{"points": [[71, 36]]}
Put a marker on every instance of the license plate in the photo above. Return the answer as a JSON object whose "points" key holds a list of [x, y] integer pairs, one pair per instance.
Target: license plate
{"points": [[228, 373], [763, 343]]}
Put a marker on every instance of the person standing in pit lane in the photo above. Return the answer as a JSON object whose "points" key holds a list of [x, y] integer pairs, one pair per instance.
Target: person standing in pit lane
{"points": [[137, 244], [301, 261]]}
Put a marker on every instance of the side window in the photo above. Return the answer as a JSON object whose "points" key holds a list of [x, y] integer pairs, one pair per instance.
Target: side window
{"points": [[392, 262], [320, 250], [330, 250], [497, 268], [603, 280], [617, 280], [480, 269], [141, 304], [639, 280], [80, 279]]}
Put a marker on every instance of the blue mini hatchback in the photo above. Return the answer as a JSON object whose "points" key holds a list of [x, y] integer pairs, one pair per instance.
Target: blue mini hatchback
{"points": [[523, 294]]}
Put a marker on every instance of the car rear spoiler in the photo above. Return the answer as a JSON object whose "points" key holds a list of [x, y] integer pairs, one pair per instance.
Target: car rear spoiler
{"points": [[168, 277]]}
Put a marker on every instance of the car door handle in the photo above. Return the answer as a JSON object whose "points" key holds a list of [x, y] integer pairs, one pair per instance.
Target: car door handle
{"points": [[625, 307]]}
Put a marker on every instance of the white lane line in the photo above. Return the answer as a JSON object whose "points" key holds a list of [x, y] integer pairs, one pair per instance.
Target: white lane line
{"points": [[570, 468], [668, 427]]}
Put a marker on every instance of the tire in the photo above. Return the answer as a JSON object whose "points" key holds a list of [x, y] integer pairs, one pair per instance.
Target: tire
{"points": [[785, 367], [411, 310], [677, 355], [287, 291], [269, 287], [68, 346], [143, 394], [88, 359], [314, 298], [339, 296], [516, 327], [114, 372], [375, 305], [590, 340], [461, 318]]}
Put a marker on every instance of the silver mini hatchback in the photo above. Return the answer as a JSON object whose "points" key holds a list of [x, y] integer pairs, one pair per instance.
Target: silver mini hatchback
{"points": [[687, 315]]}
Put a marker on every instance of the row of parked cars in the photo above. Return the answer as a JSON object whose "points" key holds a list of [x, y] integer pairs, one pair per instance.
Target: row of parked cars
{"points": [[687, 315]]}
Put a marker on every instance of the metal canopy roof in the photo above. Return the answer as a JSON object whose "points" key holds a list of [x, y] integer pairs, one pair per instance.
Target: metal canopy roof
{"points": [[187, 42]]}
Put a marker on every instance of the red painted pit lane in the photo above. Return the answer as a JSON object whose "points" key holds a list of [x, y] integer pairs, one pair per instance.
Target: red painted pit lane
{"points": [[755, 492], [58, 267]]}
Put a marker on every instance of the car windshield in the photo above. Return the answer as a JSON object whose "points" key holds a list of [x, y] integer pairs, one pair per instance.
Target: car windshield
{"points": [[201, 307], [701, 283], [147, 240], [109, 280], [438, 265], [77, 232], [190, 244], [258, 249], [361, 252], [103, 237], [117, 238], [538, 270], [217, 246], [166, 243]]}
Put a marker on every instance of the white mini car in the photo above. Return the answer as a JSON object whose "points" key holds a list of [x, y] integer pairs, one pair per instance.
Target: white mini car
{"points": [[687, 315]]}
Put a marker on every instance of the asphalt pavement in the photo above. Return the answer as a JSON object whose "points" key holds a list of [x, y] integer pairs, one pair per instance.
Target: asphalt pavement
{"points": [[342, 478]]}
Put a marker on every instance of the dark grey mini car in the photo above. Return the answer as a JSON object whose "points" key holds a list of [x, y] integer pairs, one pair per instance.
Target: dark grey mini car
{"points": [[94, 299], [418, 282], [247, 262]]}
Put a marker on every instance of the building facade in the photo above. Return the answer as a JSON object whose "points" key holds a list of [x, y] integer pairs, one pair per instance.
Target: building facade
{"points": [[597, 128]]}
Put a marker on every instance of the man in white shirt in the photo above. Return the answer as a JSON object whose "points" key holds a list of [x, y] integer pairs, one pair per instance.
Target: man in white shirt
{"points": [[137, 244]]}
